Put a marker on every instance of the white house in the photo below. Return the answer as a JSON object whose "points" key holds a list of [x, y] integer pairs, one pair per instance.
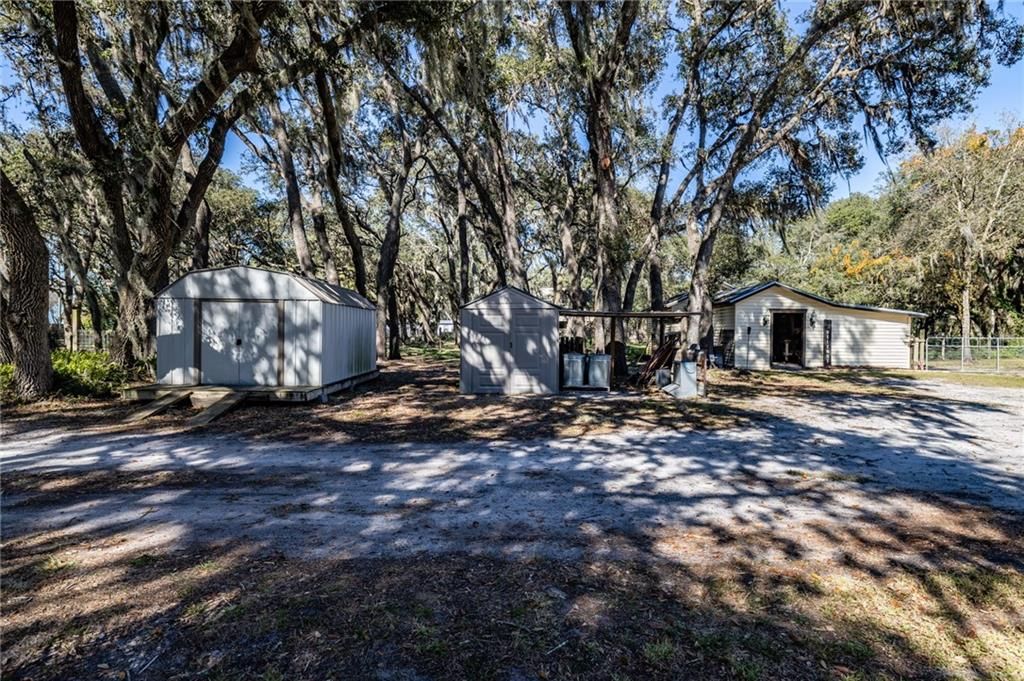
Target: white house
{"points": [[772, 325], [509, 343], [245, 326]]}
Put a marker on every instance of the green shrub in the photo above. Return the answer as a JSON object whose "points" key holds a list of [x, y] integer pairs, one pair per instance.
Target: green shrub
{"points": [[86, 373], [6, 383]]}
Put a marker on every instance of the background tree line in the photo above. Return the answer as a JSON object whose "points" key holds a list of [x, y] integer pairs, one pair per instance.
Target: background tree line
{"points": [[601, 154]]}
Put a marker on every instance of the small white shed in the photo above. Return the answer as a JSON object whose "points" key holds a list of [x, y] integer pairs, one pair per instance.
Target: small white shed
{"points": [[245, 326], [509, 344], [772, 325]]}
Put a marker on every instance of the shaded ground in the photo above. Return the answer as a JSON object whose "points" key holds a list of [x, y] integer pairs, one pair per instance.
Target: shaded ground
{"points": [[843, 525], [417, 400]]}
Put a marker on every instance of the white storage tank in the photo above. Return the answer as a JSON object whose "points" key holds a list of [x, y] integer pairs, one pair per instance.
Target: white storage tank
{"points": [[572, 370], [599, 371]]}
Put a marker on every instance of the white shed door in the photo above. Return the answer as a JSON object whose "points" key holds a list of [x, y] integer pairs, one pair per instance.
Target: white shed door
{"points": [[492, 337], [527, 353], [239, 343]]}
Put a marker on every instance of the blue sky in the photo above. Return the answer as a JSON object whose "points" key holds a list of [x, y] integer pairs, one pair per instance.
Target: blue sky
{"points": [[1003, 96]]}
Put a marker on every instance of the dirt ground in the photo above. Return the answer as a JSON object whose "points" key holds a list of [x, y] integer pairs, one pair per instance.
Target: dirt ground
{"points": [[841, 525]]}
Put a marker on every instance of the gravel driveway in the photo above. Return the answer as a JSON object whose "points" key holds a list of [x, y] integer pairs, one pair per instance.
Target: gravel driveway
{"points": [[795, 464]]}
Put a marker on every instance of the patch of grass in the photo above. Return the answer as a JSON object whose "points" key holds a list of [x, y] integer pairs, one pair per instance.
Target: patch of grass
{"points": [[839, 476], [456, 617], [56, 564], [746, 669], [993, 380], [143, 561], [659, 652], [447, 352]]}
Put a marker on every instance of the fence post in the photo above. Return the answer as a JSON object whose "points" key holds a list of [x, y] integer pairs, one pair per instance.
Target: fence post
{"points": [[963, 350], [997, 355], [926, 353], [943, 348]]}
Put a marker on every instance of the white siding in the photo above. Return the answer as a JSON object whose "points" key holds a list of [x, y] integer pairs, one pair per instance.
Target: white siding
{"points": [[859, 337], [723, 319], [753, 351], [302, 334], [872, 339], [350, 343], [174, 342]]}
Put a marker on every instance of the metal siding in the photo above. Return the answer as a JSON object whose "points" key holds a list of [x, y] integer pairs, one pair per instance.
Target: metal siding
{"points": [[316, 343], [330, 343], [219, 330], [324, 342], [174, 344], [349, 342], [298, 347]]}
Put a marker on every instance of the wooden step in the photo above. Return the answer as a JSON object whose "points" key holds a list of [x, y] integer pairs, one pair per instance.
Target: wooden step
{"points": [[156, 406], [216, 409]]}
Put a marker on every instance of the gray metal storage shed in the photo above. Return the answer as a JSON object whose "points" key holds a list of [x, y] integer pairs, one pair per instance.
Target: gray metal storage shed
{"points": [[245, 326], [509, 344]]}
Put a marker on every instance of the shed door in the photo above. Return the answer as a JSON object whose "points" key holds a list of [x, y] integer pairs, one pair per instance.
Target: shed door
{"points": [[239, 343], [491, 329], [528, 356]]}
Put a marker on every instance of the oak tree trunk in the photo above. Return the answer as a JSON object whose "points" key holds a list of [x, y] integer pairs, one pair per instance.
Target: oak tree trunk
{"points": [[26, 263], [292, 193]]}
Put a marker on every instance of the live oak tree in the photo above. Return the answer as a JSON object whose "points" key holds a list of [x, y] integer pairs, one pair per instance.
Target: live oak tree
{"points": [[143, 81], [424, 153], [765, 89], [24, 268]]}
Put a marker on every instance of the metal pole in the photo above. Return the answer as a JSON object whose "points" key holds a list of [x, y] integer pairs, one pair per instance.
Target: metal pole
{"points": [[963, 350], [611, 362], [926, 353], [997, 355]]}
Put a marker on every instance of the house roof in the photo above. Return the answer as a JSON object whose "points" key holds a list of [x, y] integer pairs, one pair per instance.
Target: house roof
{"points": [[319, 290], [735, 295], [510, 292]]}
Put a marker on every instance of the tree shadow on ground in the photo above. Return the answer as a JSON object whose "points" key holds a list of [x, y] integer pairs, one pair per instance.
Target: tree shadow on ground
{"points": [[778, 550]]}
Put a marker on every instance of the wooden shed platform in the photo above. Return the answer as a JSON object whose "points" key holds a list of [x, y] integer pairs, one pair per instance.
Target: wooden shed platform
{"points": [[205, 394]]}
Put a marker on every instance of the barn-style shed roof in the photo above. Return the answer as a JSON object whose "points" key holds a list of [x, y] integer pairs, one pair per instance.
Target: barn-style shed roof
{"points": [[243, 282]]}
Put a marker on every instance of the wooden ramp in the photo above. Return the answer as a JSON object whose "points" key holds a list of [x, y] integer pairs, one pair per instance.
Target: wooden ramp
{"points": [[207, 415], [156, 406]]}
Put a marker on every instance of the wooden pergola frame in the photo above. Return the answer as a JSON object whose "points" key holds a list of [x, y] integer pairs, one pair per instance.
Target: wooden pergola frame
{"points": [[661, 316]]}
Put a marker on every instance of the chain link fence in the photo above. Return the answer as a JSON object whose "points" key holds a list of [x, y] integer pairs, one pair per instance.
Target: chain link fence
{"points": [[983, 354]]}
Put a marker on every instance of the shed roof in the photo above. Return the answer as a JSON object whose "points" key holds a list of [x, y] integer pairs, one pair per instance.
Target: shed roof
{"points": [[737, 294], [509, 296], [243, 282]]}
